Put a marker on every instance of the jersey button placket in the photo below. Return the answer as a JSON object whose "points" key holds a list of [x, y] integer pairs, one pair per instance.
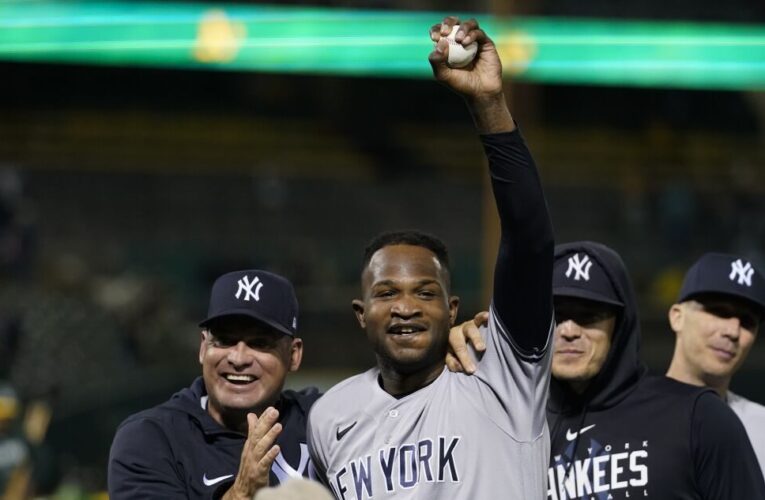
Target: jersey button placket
{"points": [[388, 424]]}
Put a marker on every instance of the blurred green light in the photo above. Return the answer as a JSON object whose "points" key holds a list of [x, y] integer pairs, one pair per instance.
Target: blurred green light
{"points": [[377, 43]]}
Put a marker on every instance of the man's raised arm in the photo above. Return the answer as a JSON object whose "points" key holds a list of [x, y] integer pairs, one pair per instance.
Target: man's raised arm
{"points": [[523, 272]]}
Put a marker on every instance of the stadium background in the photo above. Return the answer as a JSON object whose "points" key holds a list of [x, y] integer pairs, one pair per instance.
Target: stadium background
{"points": [[125, 190]]}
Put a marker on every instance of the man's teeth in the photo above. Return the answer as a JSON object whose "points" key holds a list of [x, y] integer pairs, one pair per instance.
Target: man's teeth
{"points": [[403, 330], [239, 378]]}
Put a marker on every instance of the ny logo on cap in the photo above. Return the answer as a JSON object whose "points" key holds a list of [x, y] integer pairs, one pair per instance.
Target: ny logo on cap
{"points": [[581, 267], [245, 285], [743, 272]]}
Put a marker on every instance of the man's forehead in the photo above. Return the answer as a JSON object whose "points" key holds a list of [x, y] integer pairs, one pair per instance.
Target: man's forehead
{"points": [[394, 261]]}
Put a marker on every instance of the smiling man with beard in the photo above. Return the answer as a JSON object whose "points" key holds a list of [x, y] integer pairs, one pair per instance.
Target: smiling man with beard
{"points": [[409, 428], [234, 431]]}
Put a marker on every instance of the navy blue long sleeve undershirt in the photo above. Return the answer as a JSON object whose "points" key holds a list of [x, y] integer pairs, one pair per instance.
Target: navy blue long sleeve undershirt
{"points": [[523, 272]]}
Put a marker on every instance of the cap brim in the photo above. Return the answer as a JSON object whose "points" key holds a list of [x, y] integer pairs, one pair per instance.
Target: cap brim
{"points": [[580, 293], [757, 305], [250, 314]]}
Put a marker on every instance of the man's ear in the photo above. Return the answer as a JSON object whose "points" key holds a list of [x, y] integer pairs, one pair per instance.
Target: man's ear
{"points": [[454, 305], [676, 316], [358, 310], [296, 354], [202, 345]]}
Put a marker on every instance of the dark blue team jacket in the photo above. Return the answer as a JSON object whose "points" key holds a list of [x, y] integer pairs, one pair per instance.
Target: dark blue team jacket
{"points": [[176, 450]]}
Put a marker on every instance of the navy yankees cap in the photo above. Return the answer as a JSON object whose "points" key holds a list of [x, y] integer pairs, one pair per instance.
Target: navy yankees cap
{"points": [[577, 274], [724, 274], [263, 296]]}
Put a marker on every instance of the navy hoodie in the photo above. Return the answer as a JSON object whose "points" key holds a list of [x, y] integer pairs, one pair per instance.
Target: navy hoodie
{"points": [[634, 435], [177, 450]]}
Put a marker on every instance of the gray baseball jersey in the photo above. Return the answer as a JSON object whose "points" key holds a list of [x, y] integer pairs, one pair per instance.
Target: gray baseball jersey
{"points": [[752, 415], [461, 437]]}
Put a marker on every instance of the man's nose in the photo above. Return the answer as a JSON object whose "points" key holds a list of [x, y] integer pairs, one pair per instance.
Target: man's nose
{"points": [[732, 327], [568, 330], [239, 355], [406, 307]]}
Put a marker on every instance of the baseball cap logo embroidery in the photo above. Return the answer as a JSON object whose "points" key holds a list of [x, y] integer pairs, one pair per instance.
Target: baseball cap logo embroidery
{"points": [[741, 272], [580, 267], [245, 285]]}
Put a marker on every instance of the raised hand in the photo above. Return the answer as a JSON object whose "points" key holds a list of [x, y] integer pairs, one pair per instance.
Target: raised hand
{"points": [[458, 358], [483, 77], [258, 455]]}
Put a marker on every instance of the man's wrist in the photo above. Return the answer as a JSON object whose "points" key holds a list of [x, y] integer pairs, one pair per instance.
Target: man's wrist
{"points": [[232, 494], [490, 113]]}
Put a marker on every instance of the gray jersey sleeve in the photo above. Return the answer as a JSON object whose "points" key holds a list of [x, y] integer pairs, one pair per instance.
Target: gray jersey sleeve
{"points": [[315, 443], [519, 381]]}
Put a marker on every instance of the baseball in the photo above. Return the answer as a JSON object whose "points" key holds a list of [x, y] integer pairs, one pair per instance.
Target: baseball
{"points": [[460, 56]]}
